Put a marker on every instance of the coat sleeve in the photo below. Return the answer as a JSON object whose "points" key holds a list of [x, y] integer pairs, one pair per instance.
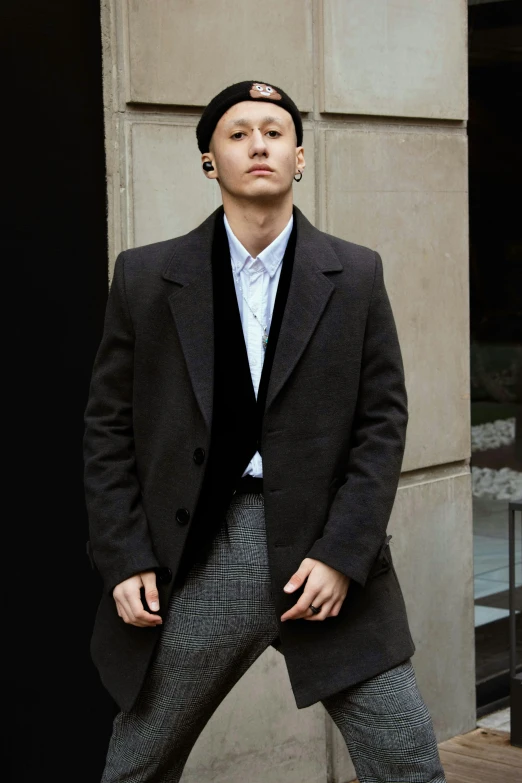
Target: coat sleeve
{"points": [[119, 535], [360, 511]]}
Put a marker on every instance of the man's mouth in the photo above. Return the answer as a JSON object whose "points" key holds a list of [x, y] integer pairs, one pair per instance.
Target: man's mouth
{"points": [[261, 169]]}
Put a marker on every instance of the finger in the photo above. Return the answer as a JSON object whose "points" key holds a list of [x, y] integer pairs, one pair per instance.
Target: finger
{"points": [[126, 601], [126, 609], [138, 615], [323, 614], [317, 598], [122, 610], [298, 610], [336, 608], [129, 606], [151, 590], [299, 577], [135, 606], [324, 600], [123, 614], [302, 607], [119, 599], [143, 620]]}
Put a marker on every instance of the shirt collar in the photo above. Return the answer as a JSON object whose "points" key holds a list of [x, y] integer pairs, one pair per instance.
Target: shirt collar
{"points": [[270, 257]]}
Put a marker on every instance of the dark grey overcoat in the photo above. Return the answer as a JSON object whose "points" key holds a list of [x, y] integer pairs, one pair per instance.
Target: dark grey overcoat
{"points": [[332, 441]]}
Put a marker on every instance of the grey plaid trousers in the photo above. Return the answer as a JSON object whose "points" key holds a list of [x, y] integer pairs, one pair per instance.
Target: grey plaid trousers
{"points": [[219, 622]]}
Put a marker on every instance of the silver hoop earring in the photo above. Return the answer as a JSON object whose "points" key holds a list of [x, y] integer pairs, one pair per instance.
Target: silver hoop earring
{"points": [[300, 176]]}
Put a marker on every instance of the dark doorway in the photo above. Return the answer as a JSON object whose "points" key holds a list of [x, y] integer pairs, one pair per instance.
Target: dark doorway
{"points": [[56, 242], [495, 157]]}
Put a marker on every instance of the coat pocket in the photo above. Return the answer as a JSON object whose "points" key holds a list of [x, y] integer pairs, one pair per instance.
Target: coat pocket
{"points": [[383, 561]]}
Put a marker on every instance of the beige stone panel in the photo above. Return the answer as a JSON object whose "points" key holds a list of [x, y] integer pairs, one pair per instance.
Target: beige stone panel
{"points": [[258, 735], [169, 192], [404, 195], [403, 58], [184, 53], [432, 546]]}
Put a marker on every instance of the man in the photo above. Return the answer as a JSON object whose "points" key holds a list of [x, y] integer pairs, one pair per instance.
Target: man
{"points": [[244, 438]]}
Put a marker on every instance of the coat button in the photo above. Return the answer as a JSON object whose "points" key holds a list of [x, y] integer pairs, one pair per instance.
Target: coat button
{"points": [[182, 516], [199, 456], [163, 575]]}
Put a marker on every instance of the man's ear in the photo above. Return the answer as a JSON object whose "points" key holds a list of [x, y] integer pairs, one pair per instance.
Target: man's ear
{"points": [[208, 167], [300, 160]]}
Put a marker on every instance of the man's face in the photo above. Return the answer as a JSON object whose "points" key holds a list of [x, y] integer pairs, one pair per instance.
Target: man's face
{"points": [[249, 134]]}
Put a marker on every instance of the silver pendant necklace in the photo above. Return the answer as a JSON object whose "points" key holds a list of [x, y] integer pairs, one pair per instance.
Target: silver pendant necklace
{"points": [[264, 328]]}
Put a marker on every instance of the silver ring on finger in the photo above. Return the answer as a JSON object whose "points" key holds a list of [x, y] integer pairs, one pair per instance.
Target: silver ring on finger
{"points": [[315, 609]]}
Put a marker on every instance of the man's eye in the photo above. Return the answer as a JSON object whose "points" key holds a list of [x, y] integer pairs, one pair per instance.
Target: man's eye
{"points": [[239, 134]]}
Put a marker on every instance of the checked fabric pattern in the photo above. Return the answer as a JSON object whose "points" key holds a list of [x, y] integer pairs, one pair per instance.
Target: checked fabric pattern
{"points": [[219, 622], [388, 729]]}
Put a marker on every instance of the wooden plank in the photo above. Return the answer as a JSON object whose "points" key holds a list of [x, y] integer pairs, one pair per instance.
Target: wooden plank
{"points": [[488, 744], [465, 769], [481, 756]]}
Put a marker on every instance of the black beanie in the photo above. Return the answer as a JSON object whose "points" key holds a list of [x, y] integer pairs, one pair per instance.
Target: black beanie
{"points": [[244, 91]]}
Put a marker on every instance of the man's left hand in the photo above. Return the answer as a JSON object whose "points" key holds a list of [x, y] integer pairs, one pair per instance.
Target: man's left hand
{"points": [[325, 588]]}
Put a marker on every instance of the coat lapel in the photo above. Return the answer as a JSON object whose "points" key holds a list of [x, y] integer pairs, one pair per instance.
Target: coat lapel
{"points": [[308, 295], [192, 305], [193, 310]]}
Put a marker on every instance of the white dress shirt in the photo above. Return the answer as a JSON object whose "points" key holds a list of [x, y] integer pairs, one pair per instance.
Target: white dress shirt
{"points": [[259, 279]]}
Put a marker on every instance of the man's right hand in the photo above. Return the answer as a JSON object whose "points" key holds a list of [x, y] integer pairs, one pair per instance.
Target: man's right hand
{"points": [[128, 600]]}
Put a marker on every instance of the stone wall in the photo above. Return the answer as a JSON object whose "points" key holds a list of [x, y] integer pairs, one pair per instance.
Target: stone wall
{"points": [[382, 85]]}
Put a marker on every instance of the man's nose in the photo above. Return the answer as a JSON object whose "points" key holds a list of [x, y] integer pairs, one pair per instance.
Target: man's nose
{"points": [[258, 142]]}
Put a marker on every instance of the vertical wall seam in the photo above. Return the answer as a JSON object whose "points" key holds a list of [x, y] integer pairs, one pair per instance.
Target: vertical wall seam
{"points": [[318, 68]]}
